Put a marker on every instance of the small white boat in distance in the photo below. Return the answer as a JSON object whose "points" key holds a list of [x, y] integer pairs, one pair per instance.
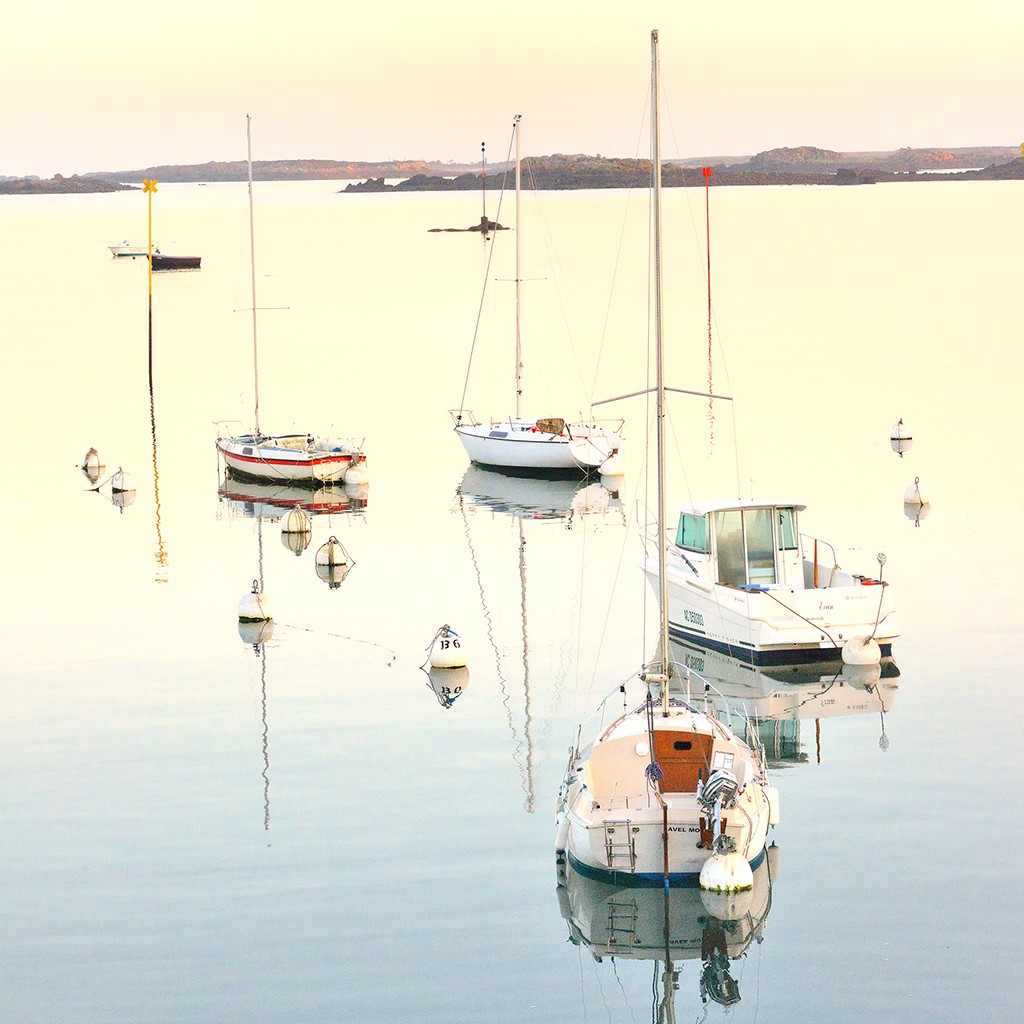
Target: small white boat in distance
{"points": [[126, 248], [744, 581]]}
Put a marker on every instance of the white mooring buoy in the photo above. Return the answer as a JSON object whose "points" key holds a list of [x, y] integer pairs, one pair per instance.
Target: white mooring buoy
{"points": [[446, 649], [333, 562], [254, 606], [726, 873], [332, 552], [357, 475], [900, 438], [614, 466], [861, 650], [122, 481], [91, 465], [728, 906], [297, 521], [915, 494], [255, 633]]}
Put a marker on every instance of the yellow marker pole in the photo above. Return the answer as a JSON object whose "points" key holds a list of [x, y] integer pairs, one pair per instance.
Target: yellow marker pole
{"points": [[149, 187]]}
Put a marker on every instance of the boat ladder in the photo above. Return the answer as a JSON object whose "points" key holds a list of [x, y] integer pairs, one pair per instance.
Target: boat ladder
{"points": [[622, 924], [619, 845]]}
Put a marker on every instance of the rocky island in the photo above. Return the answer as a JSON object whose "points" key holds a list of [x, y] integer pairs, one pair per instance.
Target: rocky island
{"points": [[802, 165]]}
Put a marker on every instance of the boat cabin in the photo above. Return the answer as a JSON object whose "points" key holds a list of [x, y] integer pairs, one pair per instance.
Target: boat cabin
{"points": [[742, 543]]}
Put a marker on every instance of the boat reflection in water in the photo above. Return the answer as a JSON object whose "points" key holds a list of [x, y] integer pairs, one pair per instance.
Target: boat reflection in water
{"points": [[537, 498], [778, 699], [273, 501], [521, 499], [648, 922]]}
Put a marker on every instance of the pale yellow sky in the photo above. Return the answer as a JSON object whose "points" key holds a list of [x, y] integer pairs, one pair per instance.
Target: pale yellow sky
{"points": [[124, 85]]}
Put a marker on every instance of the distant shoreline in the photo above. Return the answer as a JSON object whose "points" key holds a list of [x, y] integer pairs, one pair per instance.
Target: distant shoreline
{"points": [[805, 165]]}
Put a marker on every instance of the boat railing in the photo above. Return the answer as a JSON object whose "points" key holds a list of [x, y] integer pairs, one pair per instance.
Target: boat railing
{"points": [[463, 418], [609, 425], [809, 543]]}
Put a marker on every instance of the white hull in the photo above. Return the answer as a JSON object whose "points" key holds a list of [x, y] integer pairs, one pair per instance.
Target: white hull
{"points": [[592, 833], [294, 458], [776, 623], [520, 445], [613, 823], [638, 923], [127, 249]]}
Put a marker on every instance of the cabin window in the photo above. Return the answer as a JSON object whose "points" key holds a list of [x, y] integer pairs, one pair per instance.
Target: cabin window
{"points": [[786, 529], [732, 563], [757, 525], [745, 546], [723, 760], [682, 745], [692, 533]]}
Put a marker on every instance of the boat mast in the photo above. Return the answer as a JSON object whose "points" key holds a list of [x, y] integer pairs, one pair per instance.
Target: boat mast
{"points": [[659, 350], [519, 357], [252, 263]]}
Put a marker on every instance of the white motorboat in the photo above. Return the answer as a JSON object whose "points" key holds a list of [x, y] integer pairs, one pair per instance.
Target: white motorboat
{"points": [[550, 445], [743, 580], [300, 458], [126, 248], [667, 791]]}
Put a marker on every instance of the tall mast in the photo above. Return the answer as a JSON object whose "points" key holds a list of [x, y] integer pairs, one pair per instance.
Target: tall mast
{"points": [[252, 262], [483, 180], [660, 356], [519, 355]]}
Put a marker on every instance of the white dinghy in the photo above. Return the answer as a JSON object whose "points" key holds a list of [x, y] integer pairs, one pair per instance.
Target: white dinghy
{"points": [[666, 792], [550, 445], [302, 459]]}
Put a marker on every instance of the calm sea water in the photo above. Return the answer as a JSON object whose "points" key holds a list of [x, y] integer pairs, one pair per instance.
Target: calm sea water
{"points": [[191, 829]]}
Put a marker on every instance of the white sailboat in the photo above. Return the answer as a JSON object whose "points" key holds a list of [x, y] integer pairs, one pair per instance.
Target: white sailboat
{"points": [[665, 792], [549, 445], [303, 459]]}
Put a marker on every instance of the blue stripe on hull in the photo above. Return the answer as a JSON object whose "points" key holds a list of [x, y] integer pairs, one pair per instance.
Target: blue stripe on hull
{"points": [[643, 879], [747, 653]]}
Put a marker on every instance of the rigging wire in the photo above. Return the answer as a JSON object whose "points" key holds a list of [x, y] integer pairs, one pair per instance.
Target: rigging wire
{"points": [[487, 274]]}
